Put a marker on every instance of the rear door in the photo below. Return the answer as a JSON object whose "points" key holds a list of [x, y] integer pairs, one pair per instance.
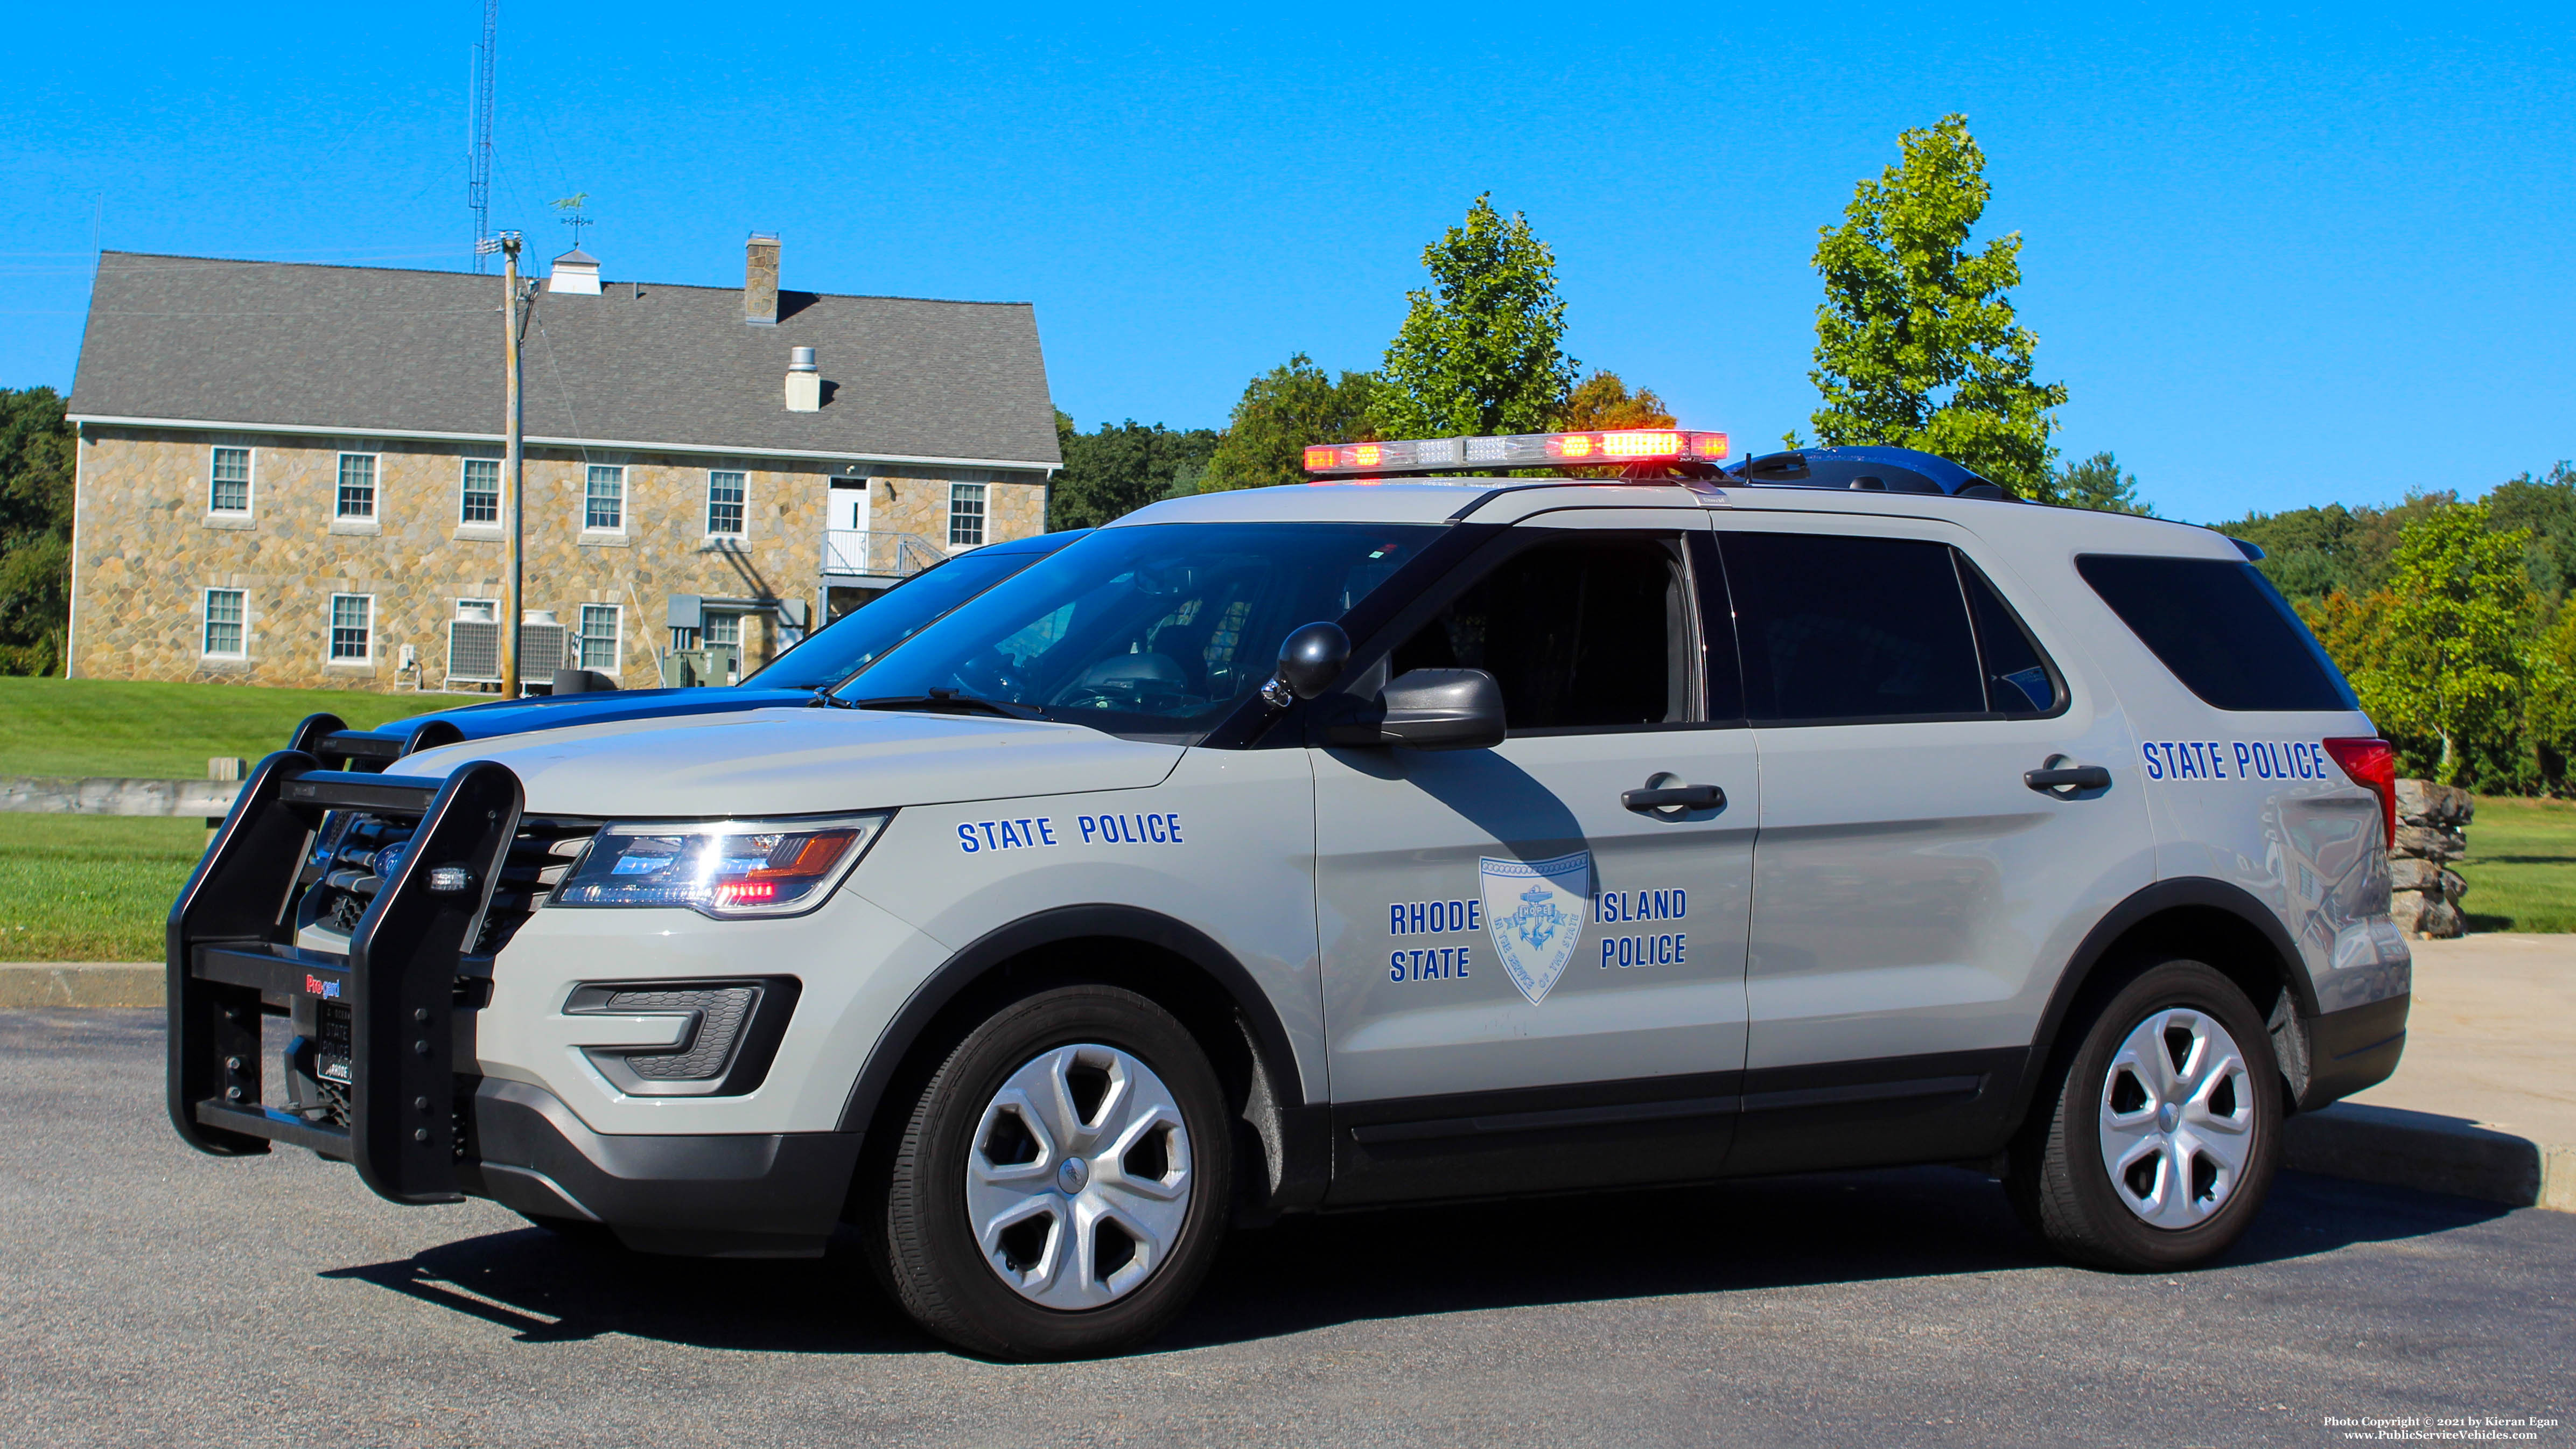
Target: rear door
{"points": [[1526, 982], [1914, 894]]}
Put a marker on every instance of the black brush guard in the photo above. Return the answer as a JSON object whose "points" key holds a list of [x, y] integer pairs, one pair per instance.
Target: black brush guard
{"points": [[230, 945]]}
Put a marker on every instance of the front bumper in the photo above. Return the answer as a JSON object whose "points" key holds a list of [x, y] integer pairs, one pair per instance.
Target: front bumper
{"points": [[732, 1195]]}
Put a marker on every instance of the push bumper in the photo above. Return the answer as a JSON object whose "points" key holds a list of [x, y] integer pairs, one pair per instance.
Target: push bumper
{"points": [[2352, 1049], [394, 1020]]}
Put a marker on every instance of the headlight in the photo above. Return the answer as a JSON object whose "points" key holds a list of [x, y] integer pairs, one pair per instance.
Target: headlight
{"points": [[722, 868]]}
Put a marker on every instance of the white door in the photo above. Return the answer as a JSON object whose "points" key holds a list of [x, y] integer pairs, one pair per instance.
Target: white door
{"points": [[1514, 957]]}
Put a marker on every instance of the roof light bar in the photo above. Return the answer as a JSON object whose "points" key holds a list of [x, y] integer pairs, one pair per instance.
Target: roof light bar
{"points": [[1610, 448]]}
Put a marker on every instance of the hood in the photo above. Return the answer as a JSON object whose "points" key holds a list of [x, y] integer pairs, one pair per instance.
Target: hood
{"points": [[801, 761]]}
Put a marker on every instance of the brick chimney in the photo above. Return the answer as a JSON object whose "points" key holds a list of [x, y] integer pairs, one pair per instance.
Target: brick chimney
{"points": [[760, 279]]}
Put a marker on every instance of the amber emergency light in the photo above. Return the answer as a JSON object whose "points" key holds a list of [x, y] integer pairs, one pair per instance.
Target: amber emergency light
{"points": [[1613, 448]]}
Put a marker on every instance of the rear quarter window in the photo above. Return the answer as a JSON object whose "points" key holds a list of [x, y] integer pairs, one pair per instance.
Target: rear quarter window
{"points": [[2222, 629]]}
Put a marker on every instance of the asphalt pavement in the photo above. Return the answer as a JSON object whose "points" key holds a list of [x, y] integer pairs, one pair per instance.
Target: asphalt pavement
{"points": [[151, 1295]]}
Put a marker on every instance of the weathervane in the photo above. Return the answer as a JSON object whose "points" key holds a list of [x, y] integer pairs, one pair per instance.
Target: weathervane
{"points": [[573, 215]]}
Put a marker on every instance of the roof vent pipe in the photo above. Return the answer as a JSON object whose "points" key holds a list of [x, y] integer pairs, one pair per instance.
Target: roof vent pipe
{"points": [[804, 381], [760, 279]]}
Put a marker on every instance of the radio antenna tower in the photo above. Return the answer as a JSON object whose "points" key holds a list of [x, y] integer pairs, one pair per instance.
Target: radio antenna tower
{"points": [[478, 154]]}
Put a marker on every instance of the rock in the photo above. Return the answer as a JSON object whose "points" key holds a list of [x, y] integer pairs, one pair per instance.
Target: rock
{"points": [[2421, 802], [2429, 842], [2426, 914], [2407, 874], [2453, 886]]}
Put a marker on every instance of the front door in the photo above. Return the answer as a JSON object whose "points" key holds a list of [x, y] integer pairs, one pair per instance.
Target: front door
{"points": [[1913, 895], [1515, 959]]}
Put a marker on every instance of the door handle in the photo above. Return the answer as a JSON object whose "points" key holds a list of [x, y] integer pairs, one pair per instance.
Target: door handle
{"points": [[1670, 797], [2067, 777]]}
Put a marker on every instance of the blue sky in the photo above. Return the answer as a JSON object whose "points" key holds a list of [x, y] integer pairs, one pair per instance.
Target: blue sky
{"points": [[2279, 257]]}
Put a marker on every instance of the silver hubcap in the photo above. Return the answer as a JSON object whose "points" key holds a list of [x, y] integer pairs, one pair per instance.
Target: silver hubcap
{"points": [[1080, 1177], [2177, 1118]]}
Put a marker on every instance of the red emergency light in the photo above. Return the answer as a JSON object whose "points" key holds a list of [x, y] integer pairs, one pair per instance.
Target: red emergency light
{"points": [[1614, 447]]}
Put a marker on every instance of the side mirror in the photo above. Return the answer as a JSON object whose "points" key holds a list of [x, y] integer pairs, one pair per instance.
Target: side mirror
{"points": [[1428, 709], [1309, 661]]}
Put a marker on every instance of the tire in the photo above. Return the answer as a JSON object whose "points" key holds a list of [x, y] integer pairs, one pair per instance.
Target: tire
{"points": [[1087, 1123], [2153, 1146]]}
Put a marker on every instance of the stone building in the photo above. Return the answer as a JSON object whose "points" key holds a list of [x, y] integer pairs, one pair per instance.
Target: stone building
{"points": [[291, 475]]}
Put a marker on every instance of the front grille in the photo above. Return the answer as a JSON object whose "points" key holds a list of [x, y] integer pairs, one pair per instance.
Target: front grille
{"points": [[355, 853]]}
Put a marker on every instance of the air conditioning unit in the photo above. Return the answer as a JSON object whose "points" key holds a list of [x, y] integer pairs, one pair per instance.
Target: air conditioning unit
{"points": [[542, 651], [473, 651]]}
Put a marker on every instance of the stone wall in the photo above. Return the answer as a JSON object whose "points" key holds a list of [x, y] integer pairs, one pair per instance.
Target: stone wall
{"points": [[2432, 821], [146, 547]]}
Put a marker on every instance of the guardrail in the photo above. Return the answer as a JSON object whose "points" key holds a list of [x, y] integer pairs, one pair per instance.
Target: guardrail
{"points": [[48, 795], [211, 797]]}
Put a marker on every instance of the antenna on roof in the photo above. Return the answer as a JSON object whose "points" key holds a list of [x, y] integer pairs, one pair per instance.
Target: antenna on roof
{"points": [[478, 145]]}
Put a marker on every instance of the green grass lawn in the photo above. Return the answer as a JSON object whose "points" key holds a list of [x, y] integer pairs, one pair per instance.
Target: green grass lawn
{"points": [[97, 887], [91, 887], [169, 731], [2521, 866]]}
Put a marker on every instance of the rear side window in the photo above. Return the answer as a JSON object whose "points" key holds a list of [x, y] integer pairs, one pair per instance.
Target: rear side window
{"points": [[2222, 630], [1843, 628]]}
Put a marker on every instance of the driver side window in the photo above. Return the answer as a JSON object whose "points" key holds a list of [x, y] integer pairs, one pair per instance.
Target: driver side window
{"points": [[1592, 632]]}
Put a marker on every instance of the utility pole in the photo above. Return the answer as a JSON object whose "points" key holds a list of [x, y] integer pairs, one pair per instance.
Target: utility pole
{"points": [[513, 465]]}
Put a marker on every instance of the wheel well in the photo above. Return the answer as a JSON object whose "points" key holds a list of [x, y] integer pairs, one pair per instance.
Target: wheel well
{"points": [[1254, 1085], [2154, 926], [2225, 941]]}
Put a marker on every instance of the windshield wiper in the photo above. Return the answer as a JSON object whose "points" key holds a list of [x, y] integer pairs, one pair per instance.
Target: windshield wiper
{"points": [[824, 698], [946, 701]]}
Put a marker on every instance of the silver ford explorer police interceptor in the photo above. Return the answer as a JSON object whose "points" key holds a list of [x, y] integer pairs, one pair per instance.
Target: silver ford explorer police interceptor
{"points": [[1325, 847]]}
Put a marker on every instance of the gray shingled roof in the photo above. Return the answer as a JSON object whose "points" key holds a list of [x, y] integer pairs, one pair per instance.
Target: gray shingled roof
{"points": [[371, 349]]}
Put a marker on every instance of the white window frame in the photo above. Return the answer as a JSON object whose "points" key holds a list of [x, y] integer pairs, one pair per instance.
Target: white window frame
{"points": [[331, 631], [249, 480], [616, 636], [375, 488], [240, 623], [590, 474], [741, 503], [465, 471], [982, 499]]}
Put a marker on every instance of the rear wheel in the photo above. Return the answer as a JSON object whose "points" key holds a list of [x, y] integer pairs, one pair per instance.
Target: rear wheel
{"points": [[1061, 1184], [2155, 1146]]}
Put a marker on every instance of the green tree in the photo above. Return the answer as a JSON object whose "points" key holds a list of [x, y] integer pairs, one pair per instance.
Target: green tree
{"points": [[1478, 352], [1281, 411], [2311, 552], [2459, 619], [35, 531], [1917, 344], [1603, 401], [2097, 483], [1120, 468]]}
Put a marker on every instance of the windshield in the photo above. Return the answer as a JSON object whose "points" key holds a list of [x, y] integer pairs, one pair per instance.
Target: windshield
{"points": [[857, 638], [1154, 631]]}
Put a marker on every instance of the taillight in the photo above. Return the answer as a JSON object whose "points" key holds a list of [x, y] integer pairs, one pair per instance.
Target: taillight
{"points": [[2372, 764]]}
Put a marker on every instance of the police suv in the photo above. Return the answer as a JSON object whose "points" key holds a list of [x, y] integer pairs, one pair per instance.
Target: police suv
{"points": [[1401, 838]]}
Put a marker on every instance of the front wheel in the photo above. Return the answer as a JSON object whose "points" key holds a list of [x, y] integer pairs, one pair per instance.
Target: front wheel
{"points": [[2155, 1146], [1061, 1187]]}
